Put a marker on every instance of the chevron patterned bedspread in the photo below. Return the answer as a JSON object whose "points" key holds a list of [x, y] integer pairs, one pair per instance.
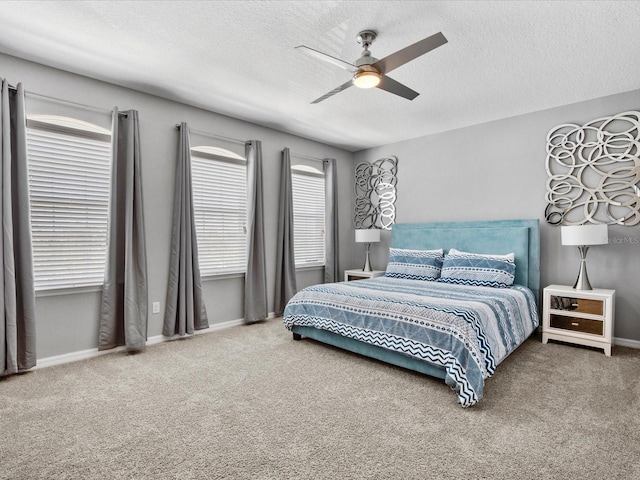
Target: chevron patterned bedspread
{"points": [[465, 329]]}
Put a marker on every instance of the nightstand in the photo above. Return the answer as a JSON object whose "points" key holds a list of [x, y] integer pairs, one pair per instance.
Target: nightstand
{"points": [[584, 317], [358, 274]]}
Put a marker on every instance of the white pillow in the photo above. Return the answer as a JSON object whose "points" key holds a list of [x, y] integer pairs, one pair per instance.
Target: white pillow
{"points": [[508, 256]]}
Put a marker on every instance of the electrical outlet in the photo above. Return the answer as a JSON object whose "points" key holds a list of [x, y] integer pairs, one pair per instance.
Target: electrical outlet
{"points": [[155, 307]]}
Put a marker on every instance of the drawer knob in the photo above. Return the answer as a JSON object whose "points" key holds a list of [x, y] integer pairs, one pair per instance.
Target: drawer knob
{"points": [[575, 324], [575, 305]]}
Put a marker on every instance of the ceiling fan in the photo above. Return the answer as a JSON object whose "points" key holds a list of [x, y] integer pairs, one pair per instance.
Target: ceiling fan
{"points": [[369, 72]]}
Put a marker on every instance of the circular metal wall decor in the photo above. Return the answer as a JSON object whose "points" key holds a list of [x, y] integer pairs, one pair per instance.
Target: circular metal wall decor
{"points": [[594, 172], [375, 189]]}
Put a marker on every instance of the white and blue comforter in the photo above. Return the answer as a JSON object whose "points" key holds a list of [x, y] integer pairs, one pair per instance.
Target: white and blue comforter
{"points": [[467, 330]]}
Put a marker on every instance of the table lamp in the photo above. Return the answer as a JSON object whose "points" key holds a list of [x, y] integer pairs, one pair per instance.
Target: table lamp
{"points": [[583, 236], [368, 236]]}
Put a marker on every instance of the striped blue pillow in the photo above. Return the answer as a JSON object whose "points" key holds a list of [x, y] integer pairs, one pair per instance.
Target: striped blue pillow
{"points": [[479, 270], [414, 264]]}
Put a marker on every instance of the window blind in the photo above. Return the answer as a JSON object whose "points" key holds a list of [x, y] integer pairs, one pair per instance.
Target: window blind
{"points": [[69, 185], [220, 211], [308, 219]]}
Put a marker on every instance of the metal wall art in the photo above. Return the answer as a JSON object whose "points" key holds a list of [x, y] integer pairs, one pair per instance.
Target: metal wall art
{"points": [[375, 189], [594, 172]]}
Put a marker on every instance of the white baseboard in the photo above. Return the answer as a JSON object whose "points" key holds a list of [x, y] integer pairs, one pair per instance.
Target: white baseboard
{"points": [[94, 352], [626, 342]]}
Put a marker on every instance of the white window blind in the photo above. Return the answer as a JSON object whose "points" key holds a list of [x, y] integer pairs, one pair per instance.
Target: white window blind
{"points": [[308, 218], [69, 185], [219, 183]]}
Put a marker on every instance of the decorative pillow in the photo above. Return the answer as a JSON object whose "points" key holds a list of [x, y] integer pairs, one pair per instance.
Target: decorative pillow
{"points": [[414, 264], [477, 269]]}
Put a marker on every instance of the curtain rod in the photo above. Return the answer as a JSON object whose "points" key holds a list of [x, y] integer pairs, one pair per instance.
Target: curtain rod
{"points": [[306, 157], [213, 135], [67, 102], [60, 100]]}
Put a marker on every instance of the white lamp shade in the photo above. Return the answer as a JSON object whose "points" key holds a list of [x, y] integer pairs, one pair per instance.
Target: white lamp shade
{"points": [[584, 235], [371, 235]]}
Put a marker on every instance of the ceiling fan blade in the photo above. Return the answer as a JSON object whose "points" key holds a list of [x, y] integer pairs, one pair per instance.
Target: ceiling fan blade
{"points": [[399, 58], [327, 58], [388, 84], [342, 87]]}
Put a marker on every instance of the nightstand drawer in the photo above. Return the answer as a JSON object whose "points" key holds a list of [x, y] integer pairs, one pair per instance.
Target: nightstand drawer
{"points": [[578, 305], [583, 325], [352, 277], [356, 274]]}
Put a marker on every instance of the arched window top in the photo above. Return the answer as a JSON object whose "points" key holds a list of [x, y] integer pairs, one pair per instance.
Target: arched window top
{"points": [[307, 170], [66, 123], [216, 152]]}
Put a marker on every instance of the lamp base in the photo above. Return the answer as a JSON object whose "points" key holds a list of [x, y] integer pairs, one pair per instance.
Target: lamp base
{"points": [[582, 282], [367, 264]]}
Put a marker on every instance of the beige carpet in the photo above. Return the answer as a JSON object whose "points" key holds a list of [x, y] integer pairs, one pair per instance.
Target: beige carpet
{"points": [[249, 402]]}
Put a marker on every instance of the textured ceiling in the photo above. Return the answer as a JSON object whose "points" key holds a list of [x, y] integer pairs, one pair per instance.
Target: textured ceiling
{"points": [[503, 58]]}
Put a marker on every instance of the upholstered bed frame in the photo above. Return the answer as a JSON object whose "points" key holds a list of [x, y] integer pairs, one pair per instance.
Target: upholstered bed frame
{"points": [[522, 237]]}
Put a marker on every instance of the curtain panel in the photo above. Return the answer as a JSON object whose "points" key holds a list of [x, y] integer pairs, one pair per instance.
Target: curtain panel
{"points": [[185, 309], [331, 272], [17, 297], [123, 310], [285, 260], [255, 284]]}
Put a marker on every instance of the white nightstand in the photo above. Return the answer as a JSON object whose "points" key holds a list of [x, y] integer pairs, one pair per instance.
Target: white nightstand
{"points": [[584, 317], [358, 274]]}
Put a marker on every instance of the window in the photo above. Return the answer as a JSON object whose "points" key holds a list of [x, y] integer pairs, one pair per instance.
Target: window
{"points": [[69, 164], [308, 216], [219, 179]]}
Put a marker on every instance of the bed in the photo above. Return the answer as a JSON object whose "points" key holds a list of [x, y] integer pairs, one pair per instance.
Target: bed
{"points": [[456, 332]]}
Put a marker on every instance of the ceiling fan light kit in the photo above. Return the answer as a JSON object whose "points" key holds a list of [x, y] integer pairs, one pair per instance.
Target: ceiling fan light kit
{"points": [[366, 78], [369, 72]]}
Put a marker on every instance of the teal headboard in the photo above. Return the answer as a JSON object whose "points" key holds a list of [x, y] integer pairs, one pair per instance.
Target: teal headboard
{"points": [[522, 237]]}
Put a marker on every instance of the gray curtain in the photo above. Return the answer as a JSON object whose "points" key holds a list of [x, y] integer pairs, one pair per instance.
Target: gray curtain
{"points": [[123, 311], [17, 293], [255, 284], [331, 273], [285, 259], [185, 310]]}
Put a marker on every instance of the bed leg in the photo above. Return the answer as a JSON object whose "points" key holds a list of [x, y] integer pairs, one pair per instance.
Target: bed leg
{"points": [[297, 336]]}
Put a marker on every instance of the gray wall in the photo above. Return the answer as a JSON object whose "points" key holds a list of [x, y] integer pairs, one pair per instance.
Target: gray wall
{"points": [[497, 170], [68, 323]]}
